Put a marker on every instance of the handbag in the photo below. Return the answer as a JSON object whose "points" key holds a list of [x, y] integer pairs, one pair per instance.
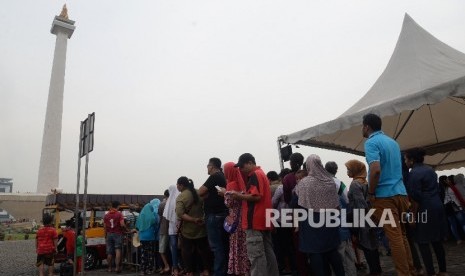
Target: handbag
{"points": [[230, 224], [135, 240]]}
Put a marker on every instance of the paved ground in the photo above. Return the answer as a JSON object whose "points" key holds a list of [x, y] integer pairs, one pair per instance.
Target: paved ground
{"points": [[455, 257], [17, 258]]}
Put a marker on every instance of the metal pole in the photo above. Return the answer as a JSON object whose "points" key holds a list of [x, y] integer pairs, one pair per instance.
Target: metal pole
{"points": [[84, 219], [281, 163], [84, 199], [76, 210]]}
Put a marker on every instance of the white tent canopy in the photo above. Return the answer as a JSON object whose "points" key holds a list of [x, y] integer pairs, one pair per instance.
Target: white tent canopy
{"points": [[420, 96]]}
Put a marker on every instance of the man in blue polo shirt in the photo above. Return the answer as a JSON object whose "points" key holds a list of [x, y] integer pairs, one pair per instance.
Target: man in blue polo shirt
{"points": [[386, 189]]}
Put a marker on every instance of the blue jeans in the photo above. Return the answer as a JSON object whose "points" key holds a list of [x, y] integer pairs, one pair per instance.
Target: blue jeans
{"points": [[459, 218], [174, 250], [219, 243], [383, 239], [114, 242]]}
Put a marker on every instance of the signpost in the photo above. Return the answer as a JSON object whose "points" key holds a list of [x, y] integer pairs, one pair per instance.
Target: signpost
{"points": [[86, 141], [86, 145]]}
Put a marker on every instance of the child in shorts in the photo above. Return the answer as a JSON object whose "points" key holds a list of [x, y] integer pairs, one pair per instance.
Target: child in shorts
{"points": [[71, 243], [70, 236], [46, 245]]}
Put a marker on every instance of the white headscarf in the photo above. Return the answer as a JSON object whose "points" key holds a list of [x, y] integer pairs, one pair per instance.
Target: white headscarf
{"points": [[317, 190], [170, 208]]}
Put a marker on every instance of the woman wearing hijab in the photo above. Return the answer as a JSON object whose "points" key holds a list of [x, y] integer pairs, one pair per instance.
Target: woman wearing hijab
{"points": [[317, 193], [170, 214], [156, 206], [189, 209], [422, 187], [238, 263], [365, 236], [147, 225]]}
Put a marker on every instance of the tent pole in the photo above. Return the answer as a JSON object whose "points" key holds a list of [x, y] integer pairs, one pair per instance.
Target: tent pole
{"points": [[281, 163], [404, 124], [445, 156]]}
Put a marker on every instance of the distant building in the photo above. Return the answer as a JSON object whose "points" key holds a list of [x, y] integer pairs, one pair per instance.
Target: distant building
{"points": [[6, 185], [4, 216]]}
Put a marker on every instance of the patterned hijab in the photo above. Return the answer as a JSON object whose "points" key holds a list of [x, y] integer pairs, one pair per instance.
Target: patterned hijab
{"points": [[358, 170], [318, 189], [233, 178]]}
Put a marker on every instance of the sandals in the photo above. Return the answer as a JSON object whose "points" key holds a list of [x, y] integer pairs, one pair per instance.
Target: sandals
{"points": [[164, 271]]}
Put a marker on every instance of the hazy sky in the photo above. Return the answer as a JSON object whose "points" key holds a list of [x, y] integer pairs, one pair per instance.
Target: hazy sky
{"points": [[174, 83]]}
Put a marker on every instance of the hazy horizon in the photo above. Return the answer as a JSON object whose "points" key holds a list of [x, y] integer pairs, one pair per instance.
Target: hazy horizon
{"points": [[176, 83]]}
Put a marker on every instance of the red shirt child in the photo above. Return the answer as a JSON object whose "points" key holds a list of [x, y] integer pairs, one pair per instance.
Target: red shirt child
{"points": [[46, 240], [46, 244], [70, 236]]}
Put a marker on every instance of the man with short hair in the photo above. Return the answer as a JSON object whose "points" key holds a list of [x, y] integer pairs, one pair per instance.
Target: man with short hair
{"points": [[215, 213], [130, 222], [345, 249], [114, 227], [341, 188], [296, 161], [70, 237], [255, 201], [386, 189], [275, 181], [283, 236]]}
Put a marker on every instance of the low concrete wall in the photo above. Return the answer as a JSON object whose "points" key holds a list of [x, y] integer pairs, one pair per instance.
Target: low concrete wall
{"points": [[23, 206]]}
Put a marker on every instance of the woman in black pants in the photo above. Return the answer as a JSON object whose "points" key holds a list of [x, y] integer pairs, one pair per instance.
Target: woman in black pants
{"points": [[365, 237], [430, 218], [189, 209]]}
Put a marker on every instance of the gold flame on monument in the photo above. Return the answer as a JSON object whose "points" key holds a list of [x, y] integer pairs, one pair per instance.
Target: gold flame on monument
{"points": [[64, 12]]}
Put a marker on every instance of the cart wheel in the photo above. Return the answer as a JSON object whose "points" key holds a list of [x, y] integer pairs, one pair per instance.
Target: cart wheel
{"points": [[91, 259]]}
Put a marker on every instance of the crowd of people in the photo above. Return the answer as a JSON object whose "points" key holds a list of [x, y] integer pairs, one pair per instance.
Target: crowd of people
{"points": [[222, 227]]}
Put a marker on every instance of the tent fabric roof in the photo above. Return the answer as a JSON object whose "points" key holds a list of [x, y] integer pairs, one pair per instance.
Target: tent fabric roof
{"points": [[420, 96]]}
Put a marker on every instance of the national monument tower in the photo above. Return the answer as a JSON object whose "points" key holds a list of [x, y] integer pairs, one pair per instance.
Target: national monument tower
{"points": [[49, 168]]}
